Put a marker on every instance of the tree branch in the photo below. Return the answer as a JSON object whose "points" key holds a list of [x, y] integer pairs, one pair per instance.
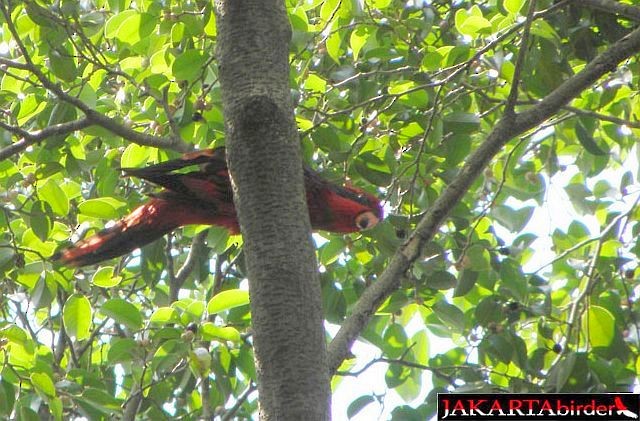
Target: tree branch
{"points": [[510, 107], [603, 117], [611, 6], [30, 138], [197, 245], [504, 131], [241, 400]]}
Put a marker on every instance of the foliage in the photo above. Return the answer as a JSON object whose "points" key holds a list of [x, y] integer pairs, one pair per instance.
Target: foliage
{"points": [[392, 95]]}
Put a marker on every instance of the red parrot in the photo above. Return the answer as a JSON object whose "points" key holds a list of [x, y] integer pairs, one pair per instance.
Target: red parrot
{"points": [[204, 196]]}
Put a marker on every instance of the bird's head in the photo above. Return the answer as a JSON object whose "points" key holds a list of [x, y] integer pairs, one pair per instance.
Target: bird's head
{"points": [[352, 210]]}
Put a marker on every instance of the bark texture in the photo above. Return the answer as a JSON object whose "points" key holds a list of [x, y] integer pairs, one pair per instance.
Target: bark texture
{"points": [[263, 153]]}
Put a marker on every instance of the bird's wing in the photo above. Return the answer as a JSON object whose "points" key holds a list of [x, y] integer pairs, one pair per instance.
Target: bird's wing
{"points": [[209, 180]]}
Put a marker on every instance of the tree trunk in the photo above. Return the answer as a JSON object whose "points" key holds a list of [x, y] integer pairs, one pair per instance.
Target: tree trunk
{"points": [[264, 157]]}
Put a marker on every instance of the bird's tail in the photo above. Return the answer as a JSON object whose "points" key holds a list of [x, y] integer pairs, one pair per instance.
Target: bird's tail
{"points": [[142, 226]]}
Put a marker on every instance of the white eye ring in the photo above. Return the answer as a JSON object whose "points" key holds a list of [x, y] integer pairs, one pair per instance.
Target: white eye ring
{"points": [[366, 220]]}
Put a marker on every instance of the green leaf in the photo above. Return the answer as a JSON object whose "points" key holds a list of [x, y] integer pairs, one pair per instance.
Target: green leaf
{"points": [[500, 348], [227, 300], [111, 28], [63, 65], [6, 256], [328, 9], [586, 139], [440, 279], [14, 334], [332, 44], [488, 311], [315, 83], [395, 341], [542, 29], [396, 375], [210, 28], [211, 332], [513, 6], [30, 106], [193, 311], [77, 317], [135, 27], [7, 397], [410, 388], [43, 384], [329, 252], [470, 25], [123, 312], [41, 222], [450, 315], [381, 4], [358, 405], [513, 279], [562, 371], [479, 258], [122, 350], [466, 281], [135, 156], [160, 62], [599, 326], [51, 193], [513, 220], [101, 400], [377, 176], [359, 38], [104, 207], [177, 32], [189, 65], [420, 349], [105, 278], [39, 15], [164, 315], [460, 122]]}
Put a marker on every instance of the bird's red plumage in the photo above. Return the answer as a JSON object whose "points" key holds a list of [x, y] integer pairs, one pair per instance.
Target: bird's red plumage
{"points": [[204, 196]]}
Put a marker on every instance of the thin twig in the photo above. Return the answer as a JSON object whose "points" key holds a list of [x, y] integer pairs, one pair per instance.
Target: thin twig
{"points": [[241, 400], [509, 108], [176, 282]]}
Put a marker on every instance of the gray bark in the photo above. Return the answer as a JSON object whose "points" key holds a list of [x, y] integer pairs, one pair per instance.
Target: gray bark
{"points": [[264, 157]]}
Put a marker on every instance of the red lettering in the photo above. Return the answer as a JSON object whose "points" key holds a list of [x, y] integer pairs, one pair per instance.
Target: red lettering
{"points": [[563, 410], [446, 408], [514, 407], [473, 404], [546, 406], [459, 406], [530, 403], [495, 406]]}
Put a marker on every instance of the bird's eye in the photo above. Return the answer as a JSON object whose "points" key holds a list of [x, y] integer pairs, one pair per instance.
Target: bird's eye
{"points": [[366, 220]]}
